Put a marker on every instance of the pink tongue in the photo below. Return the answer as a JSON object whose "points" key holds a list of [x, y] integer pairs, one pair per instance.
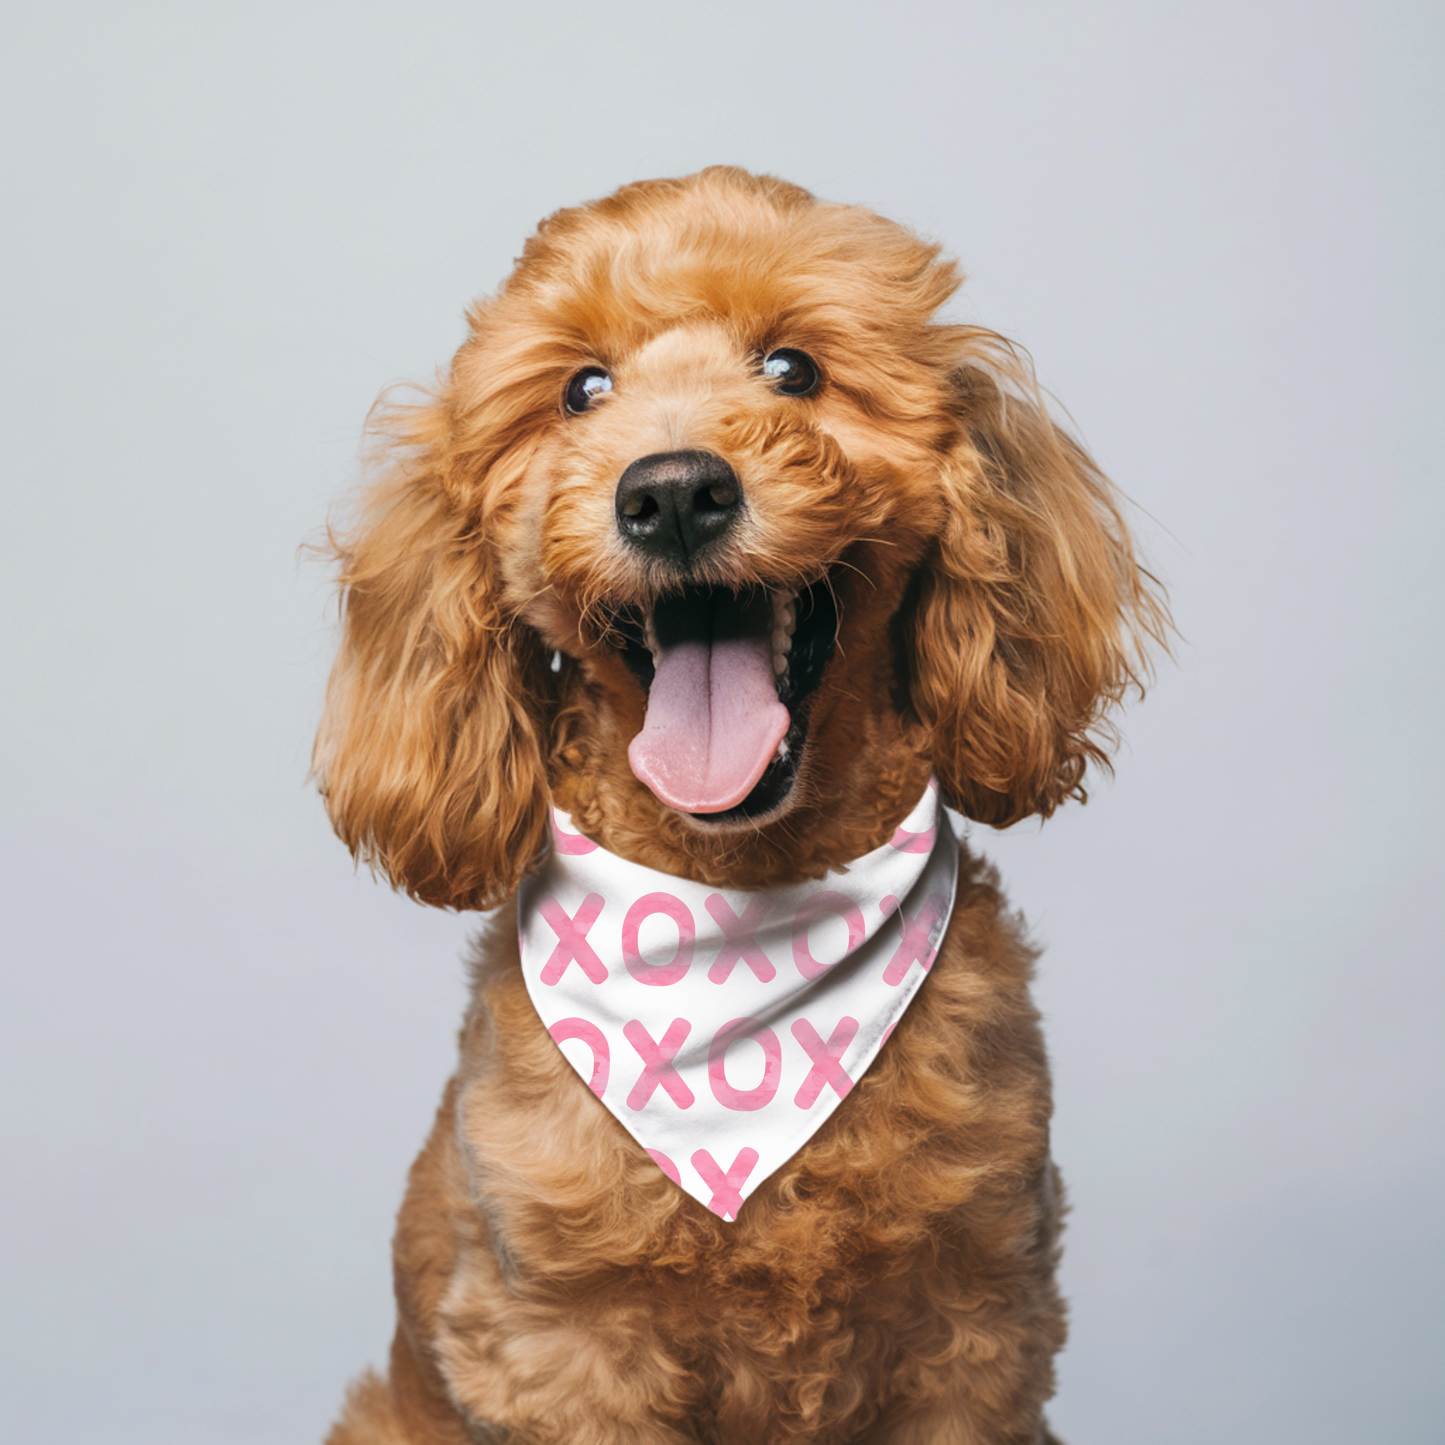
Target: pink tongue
{"points": [[713, 723]]}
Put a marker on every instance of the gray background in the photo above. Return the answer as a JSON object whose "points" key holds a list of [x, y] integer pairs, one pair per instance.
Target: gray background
{"points": [[1219, 229]]}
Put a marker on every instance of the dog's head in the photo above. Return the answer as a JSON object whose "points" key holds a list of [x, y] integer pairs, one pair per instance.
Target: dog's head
{"points": [[716, 535]]}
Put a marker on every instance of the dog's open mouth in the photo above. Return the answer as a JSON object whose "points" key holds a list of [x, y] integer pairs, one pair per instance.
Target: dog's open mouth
{"points": [[728, 676]]}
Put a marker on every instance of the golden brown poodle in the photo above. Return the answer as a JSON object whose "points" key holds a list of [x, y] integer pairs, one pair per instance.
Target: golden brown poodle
{"points": [[686, 397]]}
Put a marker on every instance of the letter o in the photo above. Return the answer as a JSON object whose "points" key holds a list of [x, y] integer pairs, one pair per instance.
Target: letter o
{"points": [[666, 1165], [595, 1040], [658, 974], [732, 1032], [820, 903]]}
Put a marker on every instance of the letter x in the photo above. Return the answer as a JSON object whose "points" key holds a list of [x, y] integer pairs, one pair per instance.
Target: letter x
{"points": [[572, 939], [742, 939], [827, 1060], [726, 1188], [915, 947], [657, 1059]]}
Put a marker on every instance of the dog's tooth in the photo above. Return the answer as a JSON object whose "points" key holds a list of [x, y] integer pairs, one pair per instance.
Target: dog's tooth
{"points": [[785, 620]]}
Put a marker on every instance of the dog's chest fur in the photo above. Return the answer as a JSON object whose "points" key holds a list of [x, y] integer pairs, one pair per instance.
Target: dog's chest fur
{"points": [[546, 1258]]}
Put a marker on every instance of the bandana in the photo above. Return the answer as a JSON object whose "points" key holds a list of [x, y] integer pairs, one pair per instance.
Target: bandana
{"points": [[721, 1027]]}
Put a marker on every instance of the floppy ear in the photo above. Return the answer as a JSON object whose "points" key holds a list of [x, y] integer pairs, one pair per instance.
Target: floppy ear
{"points": [[430, 751], [1032, 612]]}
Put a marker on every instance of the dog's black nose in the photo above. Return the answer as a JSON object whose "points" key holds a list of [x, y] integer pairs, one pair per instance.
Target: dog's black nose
{"points": [[673, 504]]}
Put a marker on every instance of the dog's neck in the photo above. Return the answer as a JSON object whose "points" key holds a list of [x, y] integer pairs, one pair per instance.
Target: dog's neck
{"points": [[834, 818]]}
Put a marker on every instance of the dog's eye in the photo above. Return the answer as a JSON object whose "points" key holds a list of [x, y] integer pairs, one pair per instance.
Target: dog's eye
{"points": [[585, 388], [795, 372]]}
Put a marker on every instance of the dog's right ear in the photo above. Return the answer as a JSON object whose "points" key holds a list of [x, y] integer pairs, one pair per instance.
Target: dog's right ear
{"points": [[430, 753]]}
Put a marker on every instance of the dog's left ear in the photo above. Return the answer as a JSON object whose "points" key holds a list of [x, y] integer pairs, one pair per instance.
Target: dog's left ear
{"points": [[1032, 613]]}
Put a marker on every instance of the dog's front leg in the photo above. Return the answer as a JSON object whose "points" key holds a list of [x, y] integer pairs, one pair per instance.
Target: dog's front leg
{"points": [[566, 1407], [564, 1387], [550, 1366], [944, 1424], [580, 1432]]}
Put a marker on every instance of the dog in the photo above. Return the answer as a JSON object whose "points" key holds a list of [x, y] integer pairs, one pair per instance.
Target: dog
{"points": [[720, 409]]}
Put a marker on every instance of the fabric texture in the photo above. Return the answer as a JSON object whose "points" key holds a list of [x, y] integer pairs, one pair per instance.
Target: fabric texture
{"points": [[722, 1027]]}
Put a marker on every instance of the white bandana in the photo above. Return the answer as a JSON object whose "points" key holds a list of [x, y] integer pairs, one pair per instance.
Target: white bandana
{"points": [[722, 1027]]}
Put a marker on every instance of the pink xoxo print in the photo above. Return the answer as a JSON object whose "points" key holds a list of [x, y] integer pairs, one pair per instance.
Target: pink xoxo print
{"points": [[906, 842], [827, 1060], [677, 966], [572, 945], [657, 1060], [732, 1032], [915, 947], [726, 1187], [572, 844], [595, 1040], [820, 903], [742, 939], [666, 1165]]}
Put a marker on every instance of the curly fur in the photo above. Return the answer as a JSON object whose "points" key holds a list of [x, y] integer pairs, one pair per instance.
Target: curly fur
{"points": [[894, 1282]]}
